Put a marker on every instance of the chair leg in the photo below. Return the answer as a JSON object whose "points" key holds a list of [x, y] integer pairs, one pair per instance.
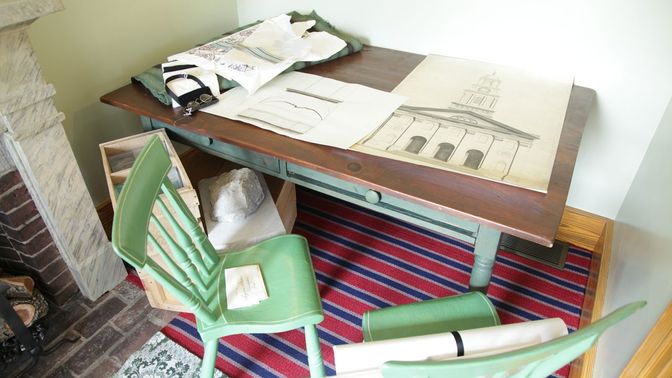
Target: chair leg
{"points": [[314, 353], [209, 358]]}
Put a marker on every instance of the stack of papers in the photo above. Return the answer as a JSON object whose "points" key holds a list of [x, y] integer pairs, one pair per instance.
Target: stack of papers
{"points": [[244, 286], [310, 108], [254, 56]]}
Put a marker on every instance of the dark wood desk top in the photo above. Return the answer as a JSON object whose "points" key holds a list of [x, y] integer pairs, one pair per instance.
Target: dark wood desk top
{"points": [[520, 212]]}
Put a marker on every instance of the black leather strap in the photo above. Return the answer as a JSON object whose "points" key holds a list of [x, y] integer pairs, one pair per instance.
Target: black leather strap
{"points": [[181, 99], [20, 330], [459, 343], [178, 67]]}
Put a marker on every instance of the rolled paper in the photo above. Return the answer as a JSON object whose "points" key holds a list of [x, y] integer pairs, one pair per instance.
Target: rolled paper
{"points": [[369, 356]]}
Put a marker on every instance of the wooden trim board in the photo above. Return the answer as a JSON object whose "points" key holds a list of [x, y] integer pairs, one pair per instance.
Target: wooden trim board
{"points": [[654, 356], [581, 228], [594, 298]]}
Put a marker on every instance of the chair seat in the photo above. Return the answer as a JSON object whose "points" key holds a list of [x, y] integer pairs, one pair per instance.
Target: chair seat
{"points": [[293, 299]]}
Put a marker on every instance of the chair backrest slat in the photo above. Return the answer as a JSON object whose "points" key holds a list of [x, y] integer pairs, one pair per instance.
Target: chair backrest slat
{"points": [[187, 297], [197, 235], [175, 269], [192, 255], [534, 361], [177, 248]]}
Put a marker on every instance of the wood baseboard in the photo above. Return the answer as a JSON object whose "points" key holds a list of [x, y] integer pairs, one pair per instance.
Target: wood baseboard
{"points": [[654, 356], [581, 228], [594, 298]]}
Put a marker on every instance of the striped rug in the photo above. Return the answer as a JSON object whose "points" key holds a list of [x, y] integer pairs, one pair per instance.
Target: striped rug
{"points": [[364, 260]]}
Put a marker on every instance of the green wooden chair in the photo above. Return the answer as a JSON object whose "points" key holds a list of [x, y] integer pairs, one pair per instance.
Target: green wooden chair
{"points": [[539, 360], [196, 271]]}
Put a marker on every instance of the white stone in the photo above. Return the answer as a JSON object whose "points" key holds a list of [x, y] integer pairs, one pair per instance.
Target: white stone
{"points": [[235, 195]]}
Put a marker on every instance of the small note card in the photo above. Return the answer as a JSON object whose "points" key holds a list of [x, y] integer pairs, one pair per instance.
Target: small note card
{"points": [[244, 286]]}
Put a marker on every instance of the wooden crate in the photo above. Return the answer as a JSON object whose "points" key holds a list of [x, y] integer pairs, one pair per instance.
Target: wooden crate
{"points": [[118, 157], [193, 166]]}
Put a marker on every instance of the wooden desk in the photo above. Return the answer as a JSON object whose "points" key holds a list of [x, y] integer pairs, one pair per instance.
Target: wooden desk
{"points": [[471, 209]]}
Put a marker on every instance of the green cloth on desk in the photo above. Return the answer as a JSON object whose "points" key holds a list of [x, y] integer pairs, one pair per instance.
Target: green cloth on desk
{"points": [[152, 78]]}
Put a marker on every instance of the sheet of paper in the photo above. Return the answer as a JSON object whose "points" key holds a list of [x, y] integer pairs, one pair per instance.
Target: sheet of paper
{"points": [[257, 54], [260, 225], [489, 121], [369, 356], [244, 286], [310, 108]]}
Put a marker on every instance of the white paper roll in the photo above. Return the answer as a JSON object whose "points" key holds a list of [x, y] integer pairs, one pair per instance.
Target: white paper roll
{"points": [[363, 357]]}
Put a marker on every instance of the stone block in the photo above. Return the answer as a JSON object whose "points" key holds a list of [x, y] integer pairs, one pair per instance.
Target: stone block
{"points": [[51, 363], [48, 273], [235, 195], [20, 215], [128, 292], [58, 284], [105, 368], [97, 318], [27, 230], [36, 243], [89, 353], [134, 315], [8, 180], [42, 258], [13, 198], [134, 340], [66, 293]]}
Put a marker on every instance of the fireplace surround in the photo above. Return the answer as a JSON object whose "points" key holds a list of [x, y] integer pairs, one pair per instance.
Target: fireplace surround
{"points": [[49, 228]]}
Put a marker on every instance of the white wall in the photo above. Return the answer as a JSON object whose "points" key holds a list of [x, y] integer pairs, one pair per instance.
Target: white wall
{"points": [[619, 48], [641, 262], [94, 47]]}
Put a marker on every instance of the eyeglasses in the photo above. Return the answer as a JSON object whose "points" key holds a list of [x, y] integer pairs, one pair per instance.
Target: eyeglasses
{"points": [[201, 102]]}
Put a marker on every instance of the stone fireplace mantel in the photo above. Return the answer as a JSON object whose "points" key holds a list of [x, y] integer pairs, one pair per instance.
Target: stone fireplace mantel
{"points": [[33, 142]]}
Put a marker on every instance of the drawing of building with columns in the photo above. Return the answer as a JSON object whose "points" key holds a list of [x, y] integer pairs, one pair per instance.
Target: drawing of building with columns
{"points": [[463, 135]]}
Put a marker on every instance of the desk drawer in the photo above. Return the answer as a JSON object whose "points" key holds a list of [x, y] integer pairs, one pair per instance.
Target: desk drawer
{"points": [[254, 160], [381, 202], [177, 134]]}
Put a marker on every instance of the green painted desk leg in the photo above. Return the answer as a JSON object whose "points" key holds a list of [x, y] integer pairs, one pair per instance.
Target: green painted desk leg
{"points": [[485, 251]]}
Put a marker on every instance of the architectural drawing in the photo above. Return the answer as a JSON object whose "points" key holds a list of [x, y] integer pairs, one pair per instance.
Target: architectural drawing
{"points": [[311, 108], [466, 134], [292, 110]]}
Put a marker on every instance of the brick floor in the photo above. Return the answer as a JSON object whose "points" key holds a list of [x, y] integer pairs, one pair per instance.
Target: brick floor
{"points": [[111, 329]]}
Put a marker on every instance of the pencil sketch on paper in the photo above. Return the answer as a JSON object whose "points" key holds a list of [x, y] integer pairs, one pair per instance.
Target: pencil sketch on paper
{"points": [[310, 108], [478, 119], [292, 110]]}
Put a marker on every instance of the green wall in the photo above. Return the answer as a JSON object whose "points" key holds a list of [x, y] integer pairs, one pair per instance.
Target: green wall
{"points": [[94, 47]]}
